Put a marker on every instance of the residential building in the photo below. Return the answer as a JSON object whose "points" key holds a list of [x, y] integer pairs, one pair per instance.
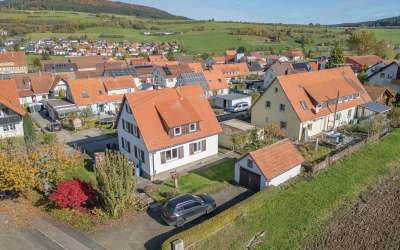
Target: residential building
{"points": [[359, 63], [163, 130], [102, 95], [11, 111], [381, 94], [230, 100], [233, 72], [269, 166], [167, 76], [13, 63], [212, 81], [275, 70], [33, 88], [308, 104], [294, 55], [385, 75]]}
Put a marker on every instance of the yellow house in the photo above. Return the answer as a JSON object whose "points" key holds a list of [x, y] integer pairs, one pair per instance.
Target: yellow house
{"points": [[307, 104]]}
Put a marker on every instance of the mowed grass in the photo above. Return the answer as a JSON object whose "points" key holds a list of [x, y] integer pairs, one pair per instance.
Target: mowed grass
{"points": [[293, 213], [209, 181]]}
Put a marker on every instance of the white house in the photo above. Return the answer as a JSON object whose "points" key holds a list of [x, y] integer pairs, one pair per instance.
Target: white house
{"points": [[167, 76], [11, 112], [385, 75], [33, 88], [13, 63], [269, 166], [162, 130], [101, 95]]}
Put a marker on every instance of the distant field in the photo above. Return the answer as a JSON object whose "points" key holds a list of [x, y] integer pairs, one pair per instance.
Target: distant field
{"points": [[196, 37]]}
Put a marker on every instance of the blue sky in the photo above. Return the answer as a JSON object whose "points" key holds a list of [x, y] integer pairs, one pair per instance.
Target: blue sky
{"points": [[280, 11]]}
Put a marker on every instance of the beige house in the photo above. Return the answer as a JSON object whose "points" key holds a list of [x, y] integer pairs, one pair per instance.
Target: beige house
{"points": [[307, 104]]}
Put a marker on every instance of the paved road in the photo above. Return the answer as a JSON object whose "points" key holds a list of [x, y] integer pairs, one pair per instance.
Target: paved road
{"points": [[147, 231]]}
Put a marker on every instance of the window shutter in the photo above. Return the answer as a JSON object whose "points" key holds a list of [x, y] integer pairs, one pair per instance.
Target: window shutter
{"points": [[180, 152], [163, 158], [191, 148], [203, 145]]}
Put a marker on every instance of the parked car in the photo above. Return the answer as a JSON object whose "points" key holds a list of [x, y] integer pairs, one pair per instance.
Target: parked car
{"points": [[241, 106], [187, 207]]}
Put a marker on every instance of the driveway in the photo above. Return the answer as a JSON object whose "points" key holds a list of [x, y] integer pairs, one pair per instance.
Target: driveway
{"points": [[147, 231]]}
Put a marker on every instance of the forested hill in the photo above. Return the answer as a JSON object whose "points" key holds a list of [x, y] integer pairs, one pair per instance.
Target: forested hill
{"points": [[92, 6], [386, 22]]}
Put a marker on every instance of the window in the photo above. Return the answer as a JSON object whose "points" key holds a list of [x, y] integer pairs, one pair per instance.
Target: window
{"points": [[338, 116], [283, 125], [249, 163], [9, 127], [349, 113], [191, 205], [276, 90], [282, 107], [192, 127], [197, 147], [382, 75], [128, 109], [130, 128], [171, 154], [139, 154], [309, 126], [177, 131], [126, 145], [304, 105], [268, 104]]}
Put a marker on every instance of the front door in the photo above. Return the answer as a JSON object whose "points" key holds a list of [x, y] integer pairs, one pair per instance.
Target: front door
{"points": [[249, 179]]}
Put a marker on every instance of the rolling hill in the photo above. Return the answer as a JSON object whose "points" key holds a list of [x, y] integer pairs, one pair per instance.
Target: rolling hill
{"points": [[92, 6], [386, 22]]}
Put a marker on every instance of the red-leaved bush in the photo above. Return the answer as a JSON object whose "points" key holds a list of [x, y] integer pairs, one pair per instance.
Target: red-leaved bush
{"points": [[73, 194]]}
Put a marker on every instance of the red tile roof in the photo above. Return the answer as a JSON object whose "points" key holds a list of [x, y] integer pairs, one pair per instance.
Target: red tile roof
{"points": [[120, 82], [152, 109], [17, 58], [215, 80], [238, 69], [9, 96], [322, 86], [276, 159], [368, 60]]}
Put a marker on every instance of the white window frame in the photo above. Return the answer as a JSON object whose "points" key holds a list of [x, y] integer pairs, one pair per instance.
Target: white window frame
{"points": [[194, 129], [171, 151], [197, 147], [180, 131]]}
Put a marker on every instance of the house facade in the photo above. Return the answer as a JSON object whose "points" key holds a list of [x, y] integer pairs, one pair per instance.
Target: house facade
{"points": [[384, 75], [307, 104], [275, 70], [13, 63], [162, 130], [269, 166], [11, 112]]}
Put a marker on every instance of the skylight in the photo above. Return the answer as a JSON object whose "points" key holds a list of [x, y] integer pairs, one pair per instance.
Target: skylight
{"points": [[304, 105]]}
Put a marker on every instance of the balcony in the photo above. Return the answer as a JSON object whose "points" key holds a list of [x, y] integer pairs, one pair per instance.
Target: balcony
{"points": [[10, 119]]}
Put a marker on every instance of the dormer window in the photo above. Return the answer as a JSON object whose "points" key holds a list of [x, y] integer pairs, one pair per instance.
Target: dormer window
{"points": [[85, 94], [177, 131], [192, 127]]}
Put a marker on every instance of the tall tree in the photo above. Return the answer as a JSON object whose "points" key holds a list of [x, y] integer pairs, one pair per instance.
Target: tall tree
{"points": [[385, 50], [363, 42], [336, 57], [116, 183], [29, 132]]}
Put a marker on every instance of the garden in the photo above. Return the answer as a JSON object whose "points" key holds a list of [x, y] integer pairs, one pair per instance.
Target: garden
{"points": [[63, 185]]}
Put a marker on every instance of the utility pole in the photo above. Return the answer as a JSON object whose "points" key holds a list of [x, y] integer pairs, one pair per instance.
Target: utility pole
{"points": [[336, 106]]}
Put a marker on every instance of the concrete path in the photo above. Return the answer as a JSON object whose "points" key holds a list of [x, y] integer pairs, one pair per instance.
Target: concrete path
{"points": [[147, 231]]}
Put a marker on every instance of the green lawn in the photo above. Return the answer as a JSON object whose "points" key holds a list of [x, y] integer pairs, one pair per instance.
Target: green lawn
{"points": [[210, 180], [82, 174], [296, 212]]}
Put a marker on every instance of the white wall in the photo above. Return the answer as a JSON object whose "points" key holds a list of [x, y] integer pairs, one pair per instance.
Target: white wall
{"points": [[18, 132], [243, 164], [285, 176], [386, 76], [211, 150], [121, 91]]}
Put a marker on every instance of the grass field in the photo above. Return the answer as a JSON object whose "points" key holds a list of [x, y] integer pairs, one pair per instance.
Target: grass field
{"points": [[292, 214], [196, 37], [210, 180]]}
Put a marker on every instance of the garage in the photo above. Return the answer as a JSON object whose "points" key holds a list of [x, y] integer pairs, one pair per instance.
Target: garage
{"points": [[269, 166], [249, 179]]}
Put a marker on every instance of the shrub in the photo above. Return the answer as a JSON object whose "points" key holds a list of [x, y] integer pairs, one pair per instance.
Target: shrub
{"points": [[29, 131], [73, 194], [395, 117], [80, 221]]}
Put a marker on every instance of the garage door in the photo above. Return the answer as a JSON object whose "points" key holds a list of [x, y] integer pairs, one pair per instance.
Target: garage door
{"points": [[249, 179]]}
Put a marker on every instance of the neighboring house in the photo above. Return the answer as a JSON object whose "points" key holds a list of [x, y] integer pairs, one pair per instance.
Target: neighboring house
{"points": [[269, 166], [33, 88], [184, 59], [231, 128], [294, 55], [59, 109], [13, 63], [233, 72], [101, 95], [87, 63], [145, 73], [59, 85], [59, 66], [301, 67], [308, 104], [212, 82], [385, 75], [167, 76], [11, 112], [162, 130], [381, 94], [255, 68], [275, 70], [358, 63]]}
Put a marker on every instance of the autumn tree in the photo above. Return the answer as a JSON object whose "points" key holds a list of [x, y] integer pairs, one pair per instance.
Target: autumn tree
{"points": [[116, 183], [36, 62], [336, 57], [363, 42], [385, 50]]}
